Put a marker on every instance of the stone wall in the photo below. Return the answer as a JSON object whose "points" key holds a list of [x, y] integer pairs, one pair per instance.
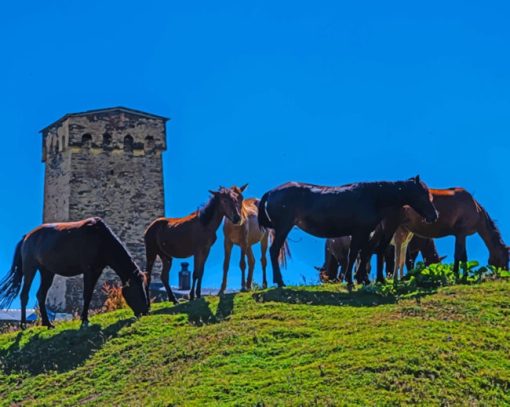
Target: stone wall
{"points": [[110, 166]]}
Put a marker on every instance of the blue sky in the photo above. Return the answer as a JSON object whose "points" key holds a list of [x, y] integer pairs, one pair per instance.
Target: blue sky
{"points": [[322, 92]]}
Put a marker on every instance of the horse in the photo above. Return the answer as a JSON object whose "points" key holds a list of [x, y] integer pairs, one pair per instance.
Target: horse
{"points": [[328, 212], [460, 215], [69, 249], [336, 255], [192, 235], [245, 235]]}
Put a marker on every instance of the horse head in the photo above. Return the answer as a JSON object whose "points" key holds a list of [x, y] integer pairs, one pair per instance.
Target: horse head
{"points": [[135, 292], [420, 199], [230, 201], [500, 258]]}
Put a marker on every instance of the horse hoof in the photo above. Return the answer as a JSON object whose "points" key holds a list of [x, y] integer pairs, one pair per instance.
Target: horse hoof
{"points": [[23, 326], [350, 286], [264, 286], [84, 324], [50, 326]]}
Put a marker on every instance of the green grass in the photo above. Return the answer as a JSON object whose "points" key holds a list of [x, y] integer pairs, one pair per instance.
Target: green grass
{"points": [[294, 346]]}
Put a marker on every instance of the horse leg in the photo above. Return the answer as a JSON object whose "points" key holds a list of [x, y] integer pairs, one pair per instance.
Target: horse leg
{"points": [[28, 277], [460, 253], [165, 278], [46, 281], [251, 267], [343, 263], [242, 266], [150, 256], [389, 258], [358, 241], [274, 252], [90, 277], [363, 266], [226, 262], [263, 258], [200, 259], [380, 267]]}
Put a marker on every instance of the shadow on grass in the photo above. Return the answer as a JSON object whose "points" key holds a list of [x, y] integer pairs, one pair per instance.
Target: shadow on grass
{"points": [[355, 299], [61, 352], [198, 311]]}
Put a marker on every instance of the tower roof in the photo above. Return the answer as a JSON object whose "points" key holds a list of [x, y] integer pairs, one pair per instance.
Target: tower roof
{"points": [[106, 110]]}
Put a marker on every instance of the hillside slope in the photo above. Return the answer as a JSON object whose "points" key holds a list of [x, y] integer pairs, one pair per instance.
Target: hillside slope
{"points": [[304, 345]]}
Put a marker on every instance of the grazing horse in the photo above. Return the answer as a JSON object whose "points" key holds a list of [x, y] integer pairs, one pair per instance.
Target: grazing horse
{"points": [[336, 255], [354, 209], [428, 251], [460, 215], [69, 249], [245, 235], [337, 252], [192, 235]]}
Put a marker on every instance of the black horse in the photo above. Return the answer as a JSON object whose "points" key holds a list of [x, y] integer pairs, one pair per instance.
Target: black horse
{"points": [[353, 209], [68, 249]]}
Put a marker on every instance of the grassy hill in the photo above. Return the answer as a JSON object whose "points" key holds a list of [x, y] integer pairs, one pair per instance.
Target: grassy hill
{"points": [[299, 345]]}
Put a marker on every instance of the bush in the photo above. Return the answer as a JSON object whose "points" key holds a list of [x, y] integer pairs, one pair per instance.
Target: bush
{"points": [[426, 279], [114, 298]]}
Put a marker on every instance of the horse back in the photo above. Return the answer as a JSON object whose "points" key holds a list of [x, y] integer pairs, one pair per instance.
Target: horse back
{"points": [[65, 248]]}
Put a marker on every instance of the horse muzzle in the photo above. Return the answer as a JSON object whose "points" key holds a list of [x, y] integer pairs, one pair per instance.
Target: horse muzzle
{"points": [[433, 218]]}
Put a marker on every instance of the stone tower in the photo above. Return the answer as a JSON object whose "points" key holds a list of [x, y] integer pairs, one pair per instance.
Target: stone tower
{"points": [[106, 163]]}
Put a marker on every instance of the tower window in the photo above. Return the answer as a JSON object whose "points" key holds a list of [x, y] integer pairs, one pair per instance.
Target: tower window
{"points": [[128, 143], [86, 140], [149, 142], [107, 139]]}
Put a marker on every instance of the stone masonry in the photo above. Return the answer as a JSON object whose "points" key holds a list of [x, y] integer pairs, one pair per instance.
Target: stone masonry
{"points": [[105, 163]]}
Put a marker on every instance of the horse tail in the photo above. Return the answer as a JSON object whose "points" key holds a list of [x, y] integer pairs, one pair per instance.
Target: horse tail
{"points": [[10, 286], [285, 253], [263, 216], [150, 240]]}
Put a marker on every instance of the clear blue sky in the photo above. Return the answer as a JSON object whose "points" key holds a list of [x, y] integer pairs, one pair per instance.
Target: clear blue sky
{"points": [[323, 92]]}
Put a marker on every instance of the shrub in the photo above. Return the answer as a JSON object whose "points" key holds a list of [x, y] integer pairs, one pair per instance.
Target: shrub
{"points": [[114, 298]]}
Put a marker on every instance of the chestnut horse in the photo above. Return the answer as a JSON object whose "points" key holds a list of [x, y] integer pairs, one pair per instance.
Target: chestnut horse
{"points": [[245, 235], [354, 209], [192, 235], [460, 215], [69, 249]]}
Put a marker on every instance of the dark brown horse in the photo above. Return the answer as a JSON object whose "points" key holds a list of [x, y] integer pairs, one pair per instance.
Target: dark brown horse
{"points": [[354, 209], [69, 249], [460, 215], [192, 235]]}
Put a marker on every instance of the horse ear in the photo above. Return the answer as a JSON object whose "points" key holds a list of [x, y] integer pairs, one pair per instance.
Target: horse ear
{"points": [[214, 193], [417, 179], [243, 187], [317, 268]]}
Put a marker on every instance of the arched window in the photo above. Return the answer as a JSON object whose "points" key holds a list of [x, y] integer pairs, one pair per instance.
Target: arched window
{"points": [[149, 143], [107, 139], [86, 140], [128, 143]]}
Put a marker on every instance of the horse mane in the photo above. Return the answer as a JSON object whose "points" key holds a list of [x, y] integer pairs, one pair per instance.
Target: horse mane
{"points": [[117, 243], [249, 208], [206, 212], [491, 226]]}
